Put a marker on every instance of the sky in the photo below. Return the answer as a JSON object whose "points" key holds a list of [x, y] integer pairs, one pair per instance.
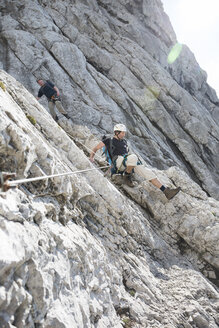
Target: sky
{"points": [[196, 24]]}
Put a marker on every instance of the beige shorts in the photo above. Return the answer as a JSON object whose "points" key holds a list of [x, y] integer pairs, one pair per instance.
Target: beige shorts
{"points": [[141, 170]]}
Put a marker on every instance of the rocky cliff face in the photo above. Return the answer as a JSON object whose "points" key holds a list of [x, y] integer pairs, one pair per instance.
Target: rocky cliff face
{"points": [[79, 251], [109, 59]]}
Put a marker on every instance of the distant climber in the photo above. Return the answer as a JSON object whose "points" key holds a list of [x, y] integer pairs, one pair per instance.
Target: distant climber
{"points": [[127, 163], [52, 93]]}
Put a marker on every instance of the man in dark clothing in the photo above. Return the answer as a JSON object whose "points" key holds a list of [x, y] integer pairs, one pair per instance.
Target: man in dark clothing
{"points": [[127, 162], [52, 93]]}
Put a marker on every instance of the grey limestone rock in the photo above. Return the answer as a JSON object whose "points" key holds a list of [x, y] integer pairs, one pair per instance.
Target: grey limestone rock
{"points": [[109, 59], [78, 250]]}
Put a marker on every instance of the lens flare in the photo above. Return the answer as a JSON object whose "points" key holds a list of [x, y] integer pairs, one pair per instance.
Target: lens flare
{"points": [[174, 53], [149, 98]]}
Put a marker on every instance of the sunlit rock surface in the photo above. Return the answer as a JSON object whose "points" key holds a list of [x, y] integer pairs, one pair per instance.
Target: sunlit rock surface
{"points": [[79, 250], [109, 59]]}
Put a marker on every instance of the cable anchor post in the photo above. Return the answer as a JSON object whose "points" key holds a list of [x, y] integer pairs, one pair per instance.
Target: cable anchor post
{"points": [[5, 177]]}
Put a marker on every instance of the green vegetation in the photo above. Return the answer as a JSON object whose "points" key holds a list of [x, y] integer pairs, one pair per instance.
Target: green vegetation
{"points": [[128, 323], [31, 119], [126, 320], [2, 86], [132, 292]]}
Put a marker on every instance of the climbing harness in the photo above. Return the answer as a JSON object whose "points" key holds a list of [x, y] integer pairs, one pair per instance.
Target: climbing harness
{"points": [[55, 98], [14, 183], [112, 159]]}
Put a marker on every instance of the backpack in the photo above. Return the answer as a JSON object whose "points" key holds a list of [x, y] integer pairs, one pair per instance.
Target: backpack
{"points": [[108, 151]]}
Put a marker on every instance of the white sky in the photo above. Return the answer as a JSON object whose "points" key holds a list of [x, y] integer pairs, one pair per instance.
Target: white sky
{"points": [[196, 24]]}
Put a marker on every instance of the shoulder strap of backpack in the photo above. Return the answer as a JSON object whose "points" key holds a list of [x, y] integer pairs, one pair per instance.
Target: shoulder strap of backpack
{"points": [[126, 142], [111, 148]]}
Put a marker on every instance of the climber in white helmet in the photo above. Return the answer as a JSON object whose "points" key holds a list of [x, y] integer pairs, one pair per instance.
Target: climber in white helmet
{"points": [[127, 162]]}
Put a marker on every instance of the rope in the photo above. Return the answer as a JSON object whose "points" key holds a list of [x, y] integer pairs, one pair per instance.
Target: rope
{"points": [[21, 181], [83, 145], [17, 182]]}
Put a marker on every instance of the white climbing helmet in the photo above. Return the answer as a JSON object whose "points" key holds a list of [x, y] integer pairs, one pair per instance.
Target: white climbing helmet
{"points": [[120, 127]]}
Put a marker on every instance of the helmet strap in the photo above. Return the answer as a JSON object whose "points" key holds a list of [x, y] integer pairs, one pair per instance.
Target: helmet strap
{"points": [[117, 134]]}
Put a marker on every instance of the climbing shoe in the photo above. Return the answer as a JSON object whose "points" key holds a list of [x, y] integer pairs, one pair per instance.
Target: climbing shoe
{"points": [[170, 193], [56, 118], [128, 179], [66, 116]]}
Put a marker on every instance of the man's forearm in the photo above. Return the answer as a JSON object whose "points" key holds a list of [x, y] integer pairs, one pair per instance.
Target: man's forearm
{"points": [[95, 149], [92, 154], [57, 90]]}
